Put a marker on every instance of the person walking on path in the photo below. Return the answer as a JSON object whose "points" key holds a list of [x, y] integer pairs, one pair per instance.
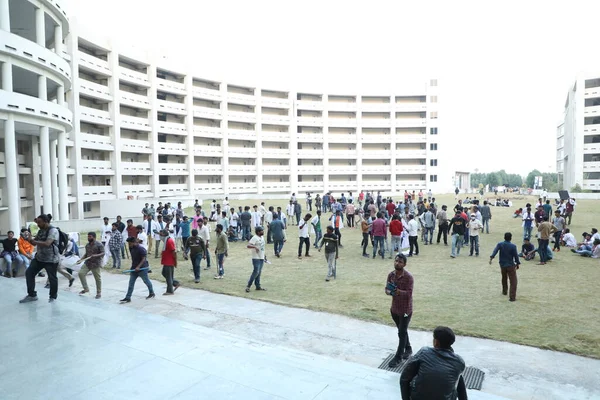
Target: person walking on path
{"points": [[442, 218], [400, 285], [94, 252], [458, 226], [379, 230], [435, 372], [304, 235], [115, 243], [474, 227], [221, 250], [486, 216], [331, 252], [413, 234], [47, 257], [559, 222], [257, 244], [168, 260], [364, 226], [545, 229], [509, 264], [139, 260], [196, 248]]}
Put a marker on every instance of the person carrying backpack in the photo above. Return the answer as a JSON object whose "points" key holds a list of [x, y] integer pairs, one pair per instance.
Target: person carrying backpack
{"points": [[47, 257]]}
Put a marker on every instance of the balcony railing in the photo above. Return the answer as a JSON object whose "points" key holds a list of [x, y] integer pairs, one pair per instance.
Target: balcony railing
{"points": [[172, 148], [207, 112], [99, 142], [173, 188], [209, 187], [97, 190], [242, 169], [131, 76], [136, 168], [242, 151], [171, 86], [137, 189], [95, 90], [99, 117], [410, 153], [97, 167], [208, 94], [95, 64], [137, 123], [171, 107], [271, 187], [275, 153], [208, 131], [135, 100], [135, 146], [201, 150], [172, 127], [177, 169], [208, 169]]}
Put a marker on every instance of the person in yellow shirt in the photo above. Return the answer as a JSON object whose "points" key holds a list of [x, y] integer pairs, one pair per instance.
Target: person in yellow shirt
{"points": [[25, 248]]}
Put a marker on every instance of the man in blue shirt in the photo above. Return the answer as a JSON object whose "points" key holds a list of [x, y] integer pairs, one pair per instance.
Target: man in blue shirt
{"points": [[509, 264], [184, 226]]}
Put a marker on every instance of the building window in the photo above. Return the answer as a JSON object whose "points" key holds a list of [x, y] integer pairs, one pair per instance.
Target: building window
{"points": [[433, 163], [433, 82], [163, 179], [163, 159], [433, 99], [433, 115], [87, 206], [432, 178], [433, 131], [433, 146]]}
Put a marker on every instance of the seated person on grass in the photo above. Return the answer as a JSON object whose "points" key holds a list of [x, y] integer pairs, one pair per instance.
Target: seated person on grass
{"points": [[232, 234], [568, 240], [586, 244], [527, 250], [518, 213], [594, 252]]}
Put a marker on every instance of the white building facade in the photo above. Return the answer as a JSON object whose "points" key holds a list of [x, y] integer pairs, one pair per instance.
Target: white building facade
{"points": [[123, 124], [578, 136]]}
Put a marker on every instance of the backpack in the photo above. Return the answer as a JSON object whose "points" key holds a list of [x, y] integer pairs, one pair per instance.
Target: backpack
{"points": [[63, 241]]}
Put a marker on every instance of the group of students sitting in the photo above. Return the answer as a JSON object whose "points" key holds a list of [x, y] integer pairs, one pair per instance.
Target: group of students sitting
{"points": [[588, 247]]}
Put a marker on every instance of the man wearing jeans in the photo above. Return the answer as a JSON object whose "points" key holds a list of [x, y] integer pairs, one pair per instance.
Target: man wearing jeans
{"points": [[429, 221], [474, 227], [316, 224], [486, 216], [546, 229], [442, 218], [396, 233], [197, 249], [221, 250], [246, 221], [169, 263], [458, 226], [379, 231], [413, 232], [277, 228], [509, 264], [139, 260], [528, 219], [400, 286], [559, 222], [257, 244], [304, 235], [114, 245]]}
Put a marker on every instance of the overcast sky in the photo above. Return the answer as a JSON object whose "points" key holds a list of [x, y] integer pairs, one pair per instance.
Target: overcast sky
{"points": [[504, 67]]}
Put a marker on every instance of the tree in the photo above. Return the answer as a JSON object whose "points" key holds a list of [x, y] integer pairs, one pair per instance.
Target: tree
{"points": [[530, 180], [493, 179]]}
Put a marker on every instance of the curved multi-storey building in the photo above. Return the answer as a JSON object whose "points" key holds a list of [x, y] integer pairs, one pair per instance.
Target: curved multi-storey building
{"points": [[34, 115], [147, 127]]}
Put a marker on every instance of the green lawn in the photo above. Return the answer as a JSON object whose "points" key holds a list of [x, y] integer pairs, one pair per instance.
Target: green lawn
{"points": [[557, 305]]}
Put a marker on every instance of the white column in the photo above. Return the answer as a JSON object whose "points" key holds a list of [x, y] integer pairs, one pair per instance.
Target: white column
{"points": [[58, 40], [46, 179], [36, 171], [12, 175], [60, 95], [54, 180], [40, 28], [189, 125], [63, 185], [42, 88], [4, 16], [7, 76], [258, 143]]}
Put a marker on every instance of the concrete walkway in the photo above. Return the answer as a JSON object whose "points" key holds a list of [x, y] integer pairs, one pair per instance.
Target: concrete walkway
{"points": [[512, 371]]}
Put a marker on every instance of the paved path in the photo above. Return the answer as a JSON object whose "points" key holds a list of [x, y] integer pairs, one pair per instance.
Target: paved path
{"points": [[233, 327]]}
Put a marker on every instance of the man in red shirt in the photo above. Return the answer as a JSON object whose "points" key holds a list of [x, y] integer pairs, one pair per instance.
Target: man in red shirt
{"points": [[464, 216], [396, 232], [390, 207], [169, 263], [400, 286]]}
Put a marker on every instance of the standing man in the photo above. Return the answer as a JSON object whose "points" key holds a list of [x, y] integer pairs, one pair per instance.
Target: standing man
{"points": [[546, 229], [204, 233], [458, 226], [142, 237], [316, 224], [474, 227], [379, 229], [364, 226], [559, 222], [547, 208], [158, 238], [413, 234], [149, 226], [246, 220], [121, 227], [429, 221], [486, 216], [94, 252], [442, 218], [331, 252], [400, 285], [528, 219], [289, 210], [184, 228], [435, 372], [298, 212], [509, 264], [256, 219], [114, 245], [46, 257], [304, 235], [197, 250], [169, 263], [221, 250], [337, 222], [269, 216], [105, 231], [277, 233], [139, 260], [569, 210], [257, 244]]}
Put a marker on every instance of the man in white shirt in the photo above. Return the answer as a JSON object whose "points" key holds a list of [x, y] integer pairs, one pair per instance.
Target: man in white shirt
{"points": [[257, 244], [256, 217], [233, 220], [289, 210], [262, 211], [569, 239], [225, 204], [303, 233], [105, 232], [158, 239], [413, 234], [142, 237], [268, 219], [149, 225], [204, 233]]}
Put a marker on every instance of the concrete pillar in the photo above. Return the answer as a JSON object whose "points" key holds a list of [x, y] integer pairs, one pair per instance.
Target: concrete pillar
{"points": [[40, 28], [35, 172], [7, 83], [54, 180], [60, 95], [63, 185], [46, 179], [258, 144], [58, 40], [12, 175], [189, 125], [42, 88], [4, 16]]}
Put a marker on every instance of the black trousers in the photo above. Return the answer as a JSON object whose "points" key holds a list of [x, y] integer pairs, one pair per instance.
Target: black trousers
{"points": [[443, 229], [34, 268], [302, 241], [403, 340], [365, 242], [412, 240], [169, 272], [351, 220], [339, 235]]}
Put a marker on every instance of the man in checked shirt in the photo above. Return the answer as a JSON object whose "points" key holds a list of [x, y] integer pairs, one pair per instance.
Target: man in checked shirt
{"points": [[400, 286]]}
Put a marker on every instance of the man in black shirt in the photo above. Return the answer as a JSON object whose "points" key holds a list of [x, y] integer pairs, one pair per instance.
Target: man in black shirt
{"points": [[246, 218], [457, 227], [10, 254], [139, 260], [435, 372]]}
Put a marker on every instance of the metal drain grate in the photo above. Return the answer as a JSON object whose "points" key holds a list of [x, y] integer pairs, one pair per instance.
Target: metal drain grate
{"points": [[473, 376]]}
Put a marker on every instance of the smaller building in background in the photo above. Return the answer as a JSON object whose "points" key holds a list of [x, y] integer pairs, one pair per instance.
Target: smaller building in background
{"points": [[578, 136]]}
